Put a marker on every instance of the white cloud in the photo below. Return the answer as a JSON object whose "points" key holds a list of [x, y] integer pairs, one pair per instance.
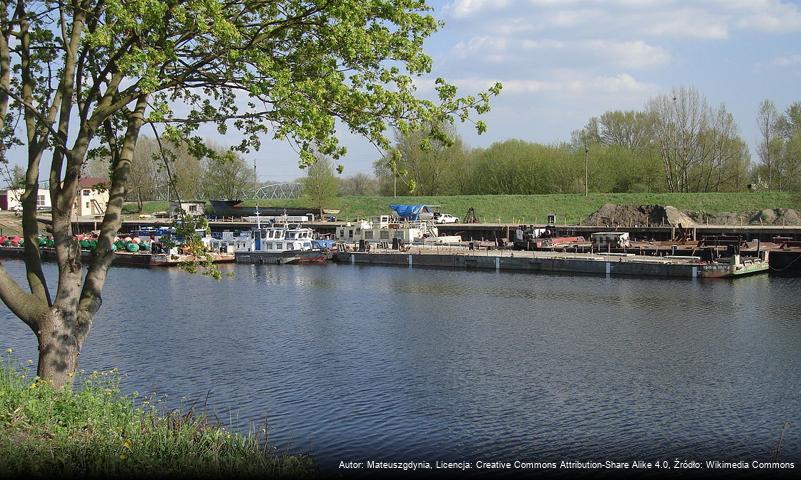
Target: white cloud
{"points": [[480, 44], [469, 8], [564, 82], [634, 54], [681, 23], [768, 16], [786, 61], [626, 54], [708, 19]]}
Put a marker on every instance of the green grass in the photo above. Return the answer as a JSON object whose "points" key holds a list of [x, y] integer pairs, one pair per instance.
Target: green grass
{"points": [[535, 208], [130, 208], [93, 431]]}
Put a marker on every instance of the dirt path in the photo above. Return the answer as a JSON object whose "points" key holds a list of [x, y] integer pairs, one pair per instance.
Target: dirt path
{"points": [[10, 224]]}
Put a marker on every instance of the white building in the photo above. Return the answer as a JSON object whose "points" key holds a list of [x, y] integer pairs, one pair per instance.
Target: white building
{"points": [[189, 207], [92, 197], [11, 198]]}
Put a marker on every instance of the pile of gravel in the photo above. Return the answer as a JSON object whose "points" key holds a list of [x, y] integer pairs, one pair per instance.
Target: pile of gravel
{"points": [[613, 215], [776, 216]]}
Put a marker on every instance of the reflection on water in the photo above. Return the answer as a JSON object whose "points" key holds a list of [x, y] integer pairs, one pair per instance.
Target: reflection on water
{"points": [[350, 362]]}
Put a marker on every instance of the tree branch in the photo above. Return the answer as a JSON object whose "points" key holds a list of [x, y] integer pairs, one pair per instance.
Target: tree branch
{"points": [[26, 306]]}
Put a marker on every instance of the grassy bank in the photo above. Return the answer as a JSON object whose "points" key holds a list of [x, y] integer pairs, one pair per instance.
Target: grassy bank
{"points": [[96, 432], [534, 208]]}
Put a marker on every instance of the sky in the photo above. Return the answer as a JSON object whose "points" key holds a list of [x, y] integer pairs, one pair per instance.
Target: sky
{"points": [[564, 61]]}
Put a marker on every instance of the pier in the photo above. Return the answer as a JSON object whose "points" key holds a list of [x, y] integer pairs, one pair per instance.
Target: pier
{"points": [[535, 262]]}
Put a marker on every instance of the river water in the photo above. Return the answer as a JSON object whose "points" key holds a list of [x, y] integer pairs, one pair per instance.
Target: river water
{"points": [[361, 362]]}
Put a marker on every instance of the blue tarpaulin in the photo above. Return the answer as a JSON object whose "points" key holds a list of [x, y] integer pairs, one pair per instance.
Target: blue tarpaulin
{"points": [[411, 212]]}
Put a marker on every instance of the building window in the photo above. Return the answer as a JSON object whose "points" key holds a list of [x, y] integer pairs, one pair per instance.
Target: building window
{"points": [[87, 192], [87, 204], [40, 200], [192, 208]]}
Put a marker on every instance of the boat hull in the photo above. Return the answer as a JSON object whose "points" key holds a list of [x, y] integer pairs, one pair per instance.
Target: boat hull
{"points": [[282, 258], [730, 271]]}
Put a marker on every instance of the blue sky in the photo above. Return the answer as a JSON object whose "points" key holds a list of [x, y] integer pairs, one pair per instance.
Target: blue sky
{"points": [[564, 61]]}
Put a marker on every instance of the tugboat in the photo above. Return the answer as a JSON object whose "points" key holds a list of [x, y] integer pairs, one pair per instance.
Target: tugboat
{"points": [[732, 264], [279, 243], [735, 266]]}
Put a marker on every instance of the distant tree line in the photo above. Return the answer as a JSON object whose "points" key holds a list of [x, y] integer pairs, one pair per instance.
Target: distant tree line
{"points": [[169, 171], [779, 147], [677, 143]]}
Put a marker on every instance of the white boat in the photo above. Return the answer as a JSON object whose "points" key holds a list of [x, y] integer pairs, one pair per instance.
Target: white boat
{"points": [[279, 243], [386, 228]]}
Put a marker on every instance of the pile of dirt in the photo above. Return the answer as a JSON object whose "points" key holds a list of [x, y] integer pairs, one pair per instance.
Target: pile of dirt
{"points": [[776, 216], [724, 218], [613, 215]]}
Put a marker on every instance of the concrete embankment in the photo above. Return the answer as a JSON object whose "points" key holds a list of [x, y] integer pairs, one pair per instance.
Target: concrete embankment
{"points": [[545, 262]]}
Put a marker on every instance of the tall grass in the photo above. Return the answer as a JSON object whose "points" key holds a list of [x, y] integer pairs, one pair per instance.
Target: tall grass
{"points": [[94, 431]]}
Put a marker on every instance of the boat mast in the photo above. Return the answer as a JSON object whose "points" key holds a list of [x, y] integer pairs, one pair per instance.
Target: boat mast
{"points": [[255, 194]]}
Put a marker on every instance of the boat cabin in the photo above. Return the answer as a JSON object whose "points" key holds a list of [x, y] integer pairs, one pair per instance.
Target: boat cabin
{"points": [[384, 229], [280, 238]]}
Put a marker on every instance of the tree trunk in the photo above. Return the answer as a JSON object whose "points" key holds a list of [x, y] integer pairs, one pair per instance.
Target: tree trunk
{"points": [[59, 348]]}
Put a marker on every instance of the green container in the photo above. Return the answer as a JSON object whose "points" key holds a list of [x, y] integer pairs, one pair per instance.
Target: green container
{"points": [[132, 247]]}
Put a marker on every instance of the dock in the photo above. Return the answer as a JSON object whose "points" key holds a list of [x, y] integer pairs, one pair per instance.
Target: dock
{"points": [[128, 259]]}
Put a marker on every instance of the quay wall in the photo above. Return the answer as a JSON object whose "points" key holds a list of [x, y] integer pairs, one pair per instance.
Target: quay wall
{"points": [[613, 266]]}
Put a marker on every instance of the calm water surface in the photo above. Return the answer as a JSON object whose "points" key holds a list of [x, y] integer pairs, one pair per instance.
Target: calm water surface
{"points": [[349, 362]]}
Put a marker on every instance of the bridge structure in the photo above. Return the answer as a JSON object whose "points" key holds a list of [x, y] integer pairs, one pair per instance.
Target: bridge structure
{"points": [[279, 190]]}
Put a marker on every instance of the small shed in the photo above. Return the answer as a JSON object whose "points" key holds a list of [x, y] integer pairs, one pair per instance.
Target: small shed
{"points": [[189, 207], [607, 240], [11, 198]]}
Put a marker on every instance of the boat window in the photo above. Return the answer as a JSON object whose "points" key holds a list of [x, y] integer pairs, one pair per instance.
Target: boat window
{"points": [[279, 245], [290, 246], [384, 235], [368, 234], [350, 233]]}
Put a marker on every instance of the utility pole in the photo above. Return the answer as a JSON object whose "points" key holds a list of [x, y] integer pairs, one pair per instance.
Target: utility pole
{"points": [[255, 180], [586, 173]]}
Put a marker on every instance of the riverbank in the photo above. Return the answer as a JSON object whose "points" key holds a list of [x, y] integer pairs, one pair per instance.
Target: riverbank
{"points": [[95, 431], [569, 208]]}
